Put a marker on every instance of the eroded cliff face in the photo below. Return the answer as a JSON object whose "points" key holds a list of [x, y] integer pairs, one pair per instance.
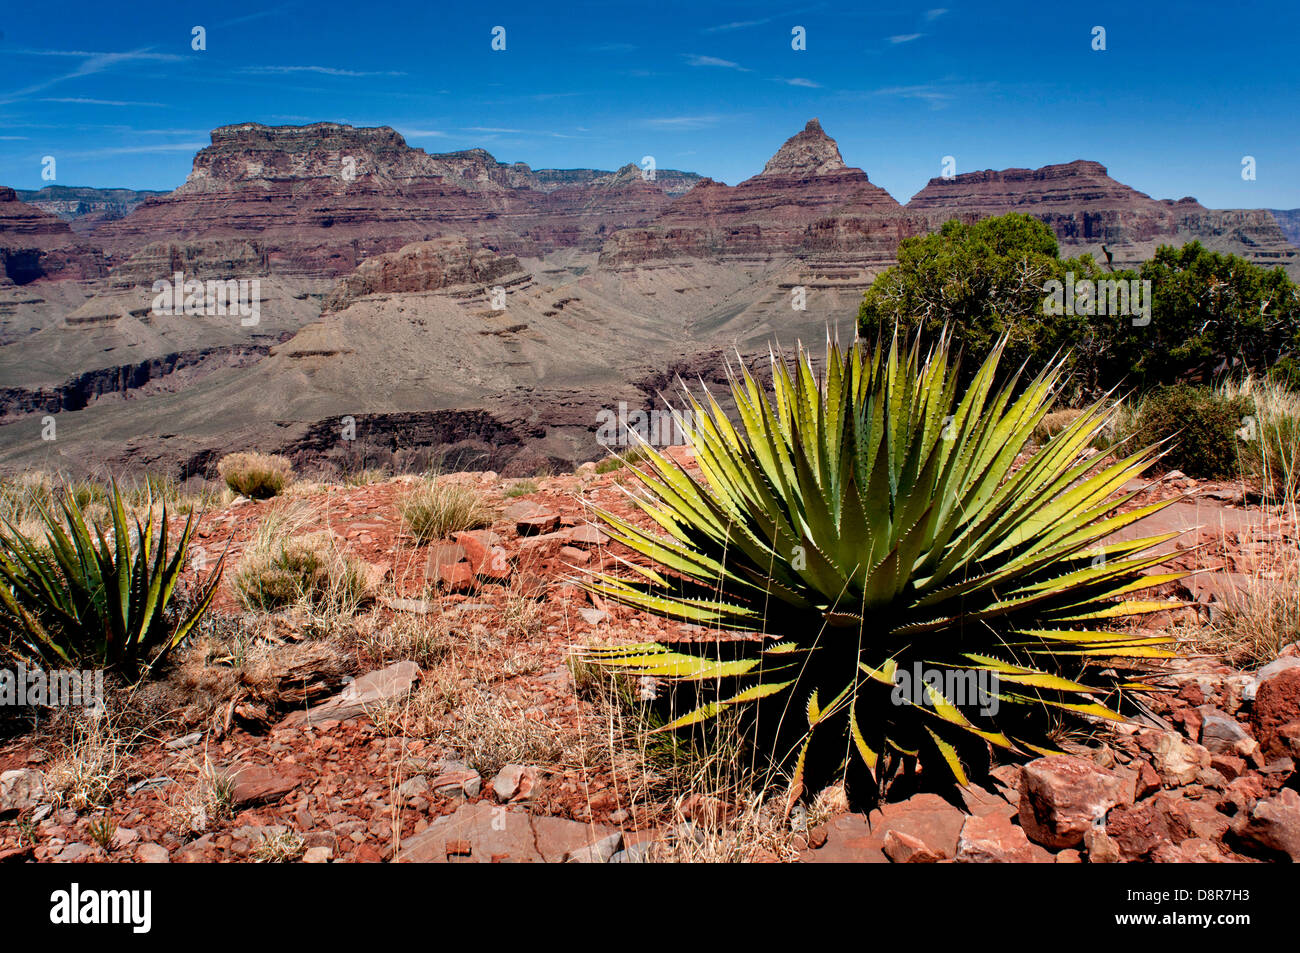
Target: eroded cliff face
{"points": [[1087, 209], [325, 197], [35, 244], [445, 264], [806, 203]]}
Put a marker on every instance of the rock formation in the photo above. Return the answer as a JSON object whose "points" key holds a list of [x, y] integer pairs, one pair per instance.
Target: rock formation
{"points": [[806, 203], [439, 265], [1289, 221], [325, 197], [86, 208], [1087, 209], [34, 245]]}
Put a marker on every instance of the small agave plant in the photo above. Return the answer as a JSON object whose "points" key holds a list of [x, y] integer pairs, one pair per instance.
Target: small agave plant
{"points": [[864, 521], [83, 596]]}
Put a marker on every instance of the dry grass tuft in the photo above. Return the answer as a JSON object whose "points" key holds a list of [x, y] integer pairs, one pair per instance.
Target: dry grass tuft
{"points": [[279, 848], [1054, 423], [257, 476], [436, 508], [308, 570], [1260, 621], [92, 761]]}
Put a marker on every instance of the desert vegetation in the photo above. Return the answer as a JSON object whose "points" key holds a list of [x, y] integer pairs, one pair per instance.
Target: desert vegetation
{"points": [[718, 657], [436, 508], [257, 476]]}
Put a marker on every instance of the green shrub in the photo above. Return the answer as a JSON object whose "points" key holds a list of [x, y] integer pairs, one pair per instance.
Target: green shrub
{"points": [[257, 476], [86, 595], [435, 508], [869, 523], [1200, 423]]}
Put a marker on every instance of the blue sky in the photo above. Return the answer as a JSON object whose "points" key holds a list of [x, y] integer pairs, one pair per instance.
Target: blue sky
{"points": [[1182, 92]]}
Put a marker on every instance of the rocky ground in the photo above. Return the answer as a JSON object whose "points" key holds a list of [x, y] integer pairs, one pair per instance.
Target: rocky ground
{"points": [[443, 721]]}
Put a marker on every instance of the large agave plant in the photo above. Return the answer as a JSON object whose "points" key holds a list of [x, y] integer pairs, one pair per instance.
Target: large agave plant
{"points": [[866, 521], [77, 598]]}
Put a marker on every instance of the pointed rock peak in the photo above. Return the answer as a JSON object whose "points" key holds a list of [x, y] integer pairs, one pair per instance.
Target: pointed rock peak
{"points": [[810, 152]]}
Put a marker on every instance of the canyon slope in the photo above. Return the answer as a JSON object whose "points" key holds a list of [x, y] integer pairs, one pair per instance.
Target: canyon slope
{"points": [[465, 311]]}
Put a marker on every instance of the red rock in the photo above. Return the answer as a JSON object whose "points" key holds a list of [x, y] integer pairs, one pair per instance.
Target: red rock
{"points": [[442, 554], [515, 782], [993, 839], [496, 567], [707, 811], [926, 817], [980, 801], [1176, 759], [531, 519], [1289, 734], [586, 535], [458, 577], [1222, 734], [476, 544], [1148, 781], [1140, 829], [1101, 847], [1273, 825], [1277, 704], [849, 840], [35, 244], [1194, 850], [261, 785], [498, 834], [1065, 796], [1228, 765], [906, 849]]}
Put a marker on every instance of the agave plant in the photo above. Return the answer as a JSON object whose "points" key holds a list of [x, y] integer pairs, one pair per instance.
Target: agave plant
{"points": [[75, 598], [869, 525]]}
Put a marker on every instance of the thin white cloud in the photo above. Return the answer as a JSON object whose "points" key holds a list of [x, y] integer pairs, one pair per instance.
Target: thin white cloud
{"points": [[800, 81], [738, 25], [91, 64], [422, 133], [696, 60], [931, 94], [905, 38], [136, 150], [932, 15], [682, 122], [323, 70], [79, 100]]}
